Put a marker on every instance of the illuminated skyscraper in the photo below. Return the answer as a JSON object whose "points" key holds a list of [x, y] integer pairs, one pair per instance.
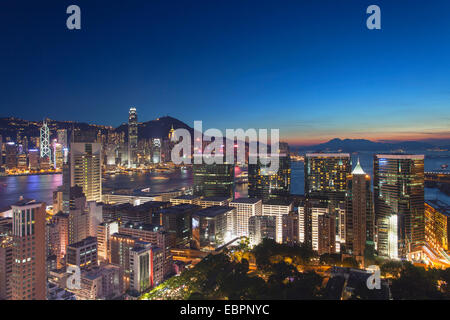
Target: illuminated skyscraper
{"points": [[29, 251], [45, 141], [214, 180], [132, 137], [62, 137], [85, 169], [359, 219], [326, 185], [399, 203], [265, 184], [326, 174]]}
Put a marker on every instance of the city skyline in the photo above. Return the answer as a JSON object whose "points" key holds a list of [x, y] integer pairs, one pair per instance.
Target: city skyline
{"points": [[313, 70]]}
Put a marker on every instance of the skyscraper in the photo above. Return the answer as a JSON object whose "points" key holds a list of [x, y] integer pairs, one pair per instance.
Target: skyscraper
{"points": [[326, 174], [214, 180], [11, 155], [132, 137], [325, 186], [44, 141], [85, 169], [359, 221], [399, 203], [29, 270], [62, 137], [265, 184]]}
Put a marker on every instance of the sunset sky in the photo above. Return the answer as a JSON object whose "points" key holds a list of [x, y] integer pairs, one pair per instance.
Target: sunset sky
{"points": [[310, 68]]}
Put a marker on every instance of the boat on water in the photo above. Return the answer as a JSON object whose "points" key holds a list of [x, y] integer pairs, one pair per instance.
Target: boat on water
{"points": [[444, 166], [159, 178]]}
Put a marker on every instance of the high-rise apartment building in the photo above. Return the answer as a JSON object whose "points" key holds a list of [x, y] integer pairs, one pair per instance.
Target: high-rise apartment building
{"points": [[261, 227], [267, 184], [85, 169], [104, 232], [78, 217], [6, 263], [399, 203], [29, 251], [360, 220], [326, 175], [245, 208]]}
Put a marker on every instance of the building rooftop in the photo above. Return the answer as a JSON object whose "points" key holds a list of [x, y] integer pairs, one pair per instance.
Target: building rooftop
{"points": [[401, 156], [187, 197], [215, 199], [328, 155], [143, 226], [440, 206], [85, 242], [246, 200], [213, 211], [358, 169], [179, 208], [26, 202]]}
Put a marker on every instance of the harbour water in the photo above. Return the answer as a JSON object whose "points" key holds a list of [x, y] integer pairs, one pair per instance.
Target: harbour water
{"points": [[41, 187]]}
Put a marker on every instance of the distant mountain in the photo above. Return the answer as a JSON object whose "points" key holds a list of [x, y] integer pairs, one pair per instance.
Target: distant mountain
{"points": [[158, 128], [351, 145]]}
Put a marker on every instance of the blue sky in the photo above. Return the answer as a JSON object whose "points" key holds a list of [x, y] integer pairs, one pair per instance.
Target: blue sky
{"points": [[310, 68]]}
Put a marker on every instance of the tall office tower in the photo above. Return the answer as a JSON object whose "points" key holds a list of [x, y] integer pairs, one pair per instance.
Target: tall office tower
{"points": [[326, 231], [6, 262], [1, 150], [121, 245], [65, 188], [245, 208], [156, 150], [156, 235], [61, 224], [33, 159], [266, 184], [104, 232], [261, 227], [22, 161], [95, 211], [29, 271], [58, 155], [214, 180], [210, 227], [44, 141], [178, 220], [132, 138], [11, 155], [398, 186], [326, 181], [359, 219], [326, 175], [86, 170], [78, 216], [146, 264], [62, 137]]}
